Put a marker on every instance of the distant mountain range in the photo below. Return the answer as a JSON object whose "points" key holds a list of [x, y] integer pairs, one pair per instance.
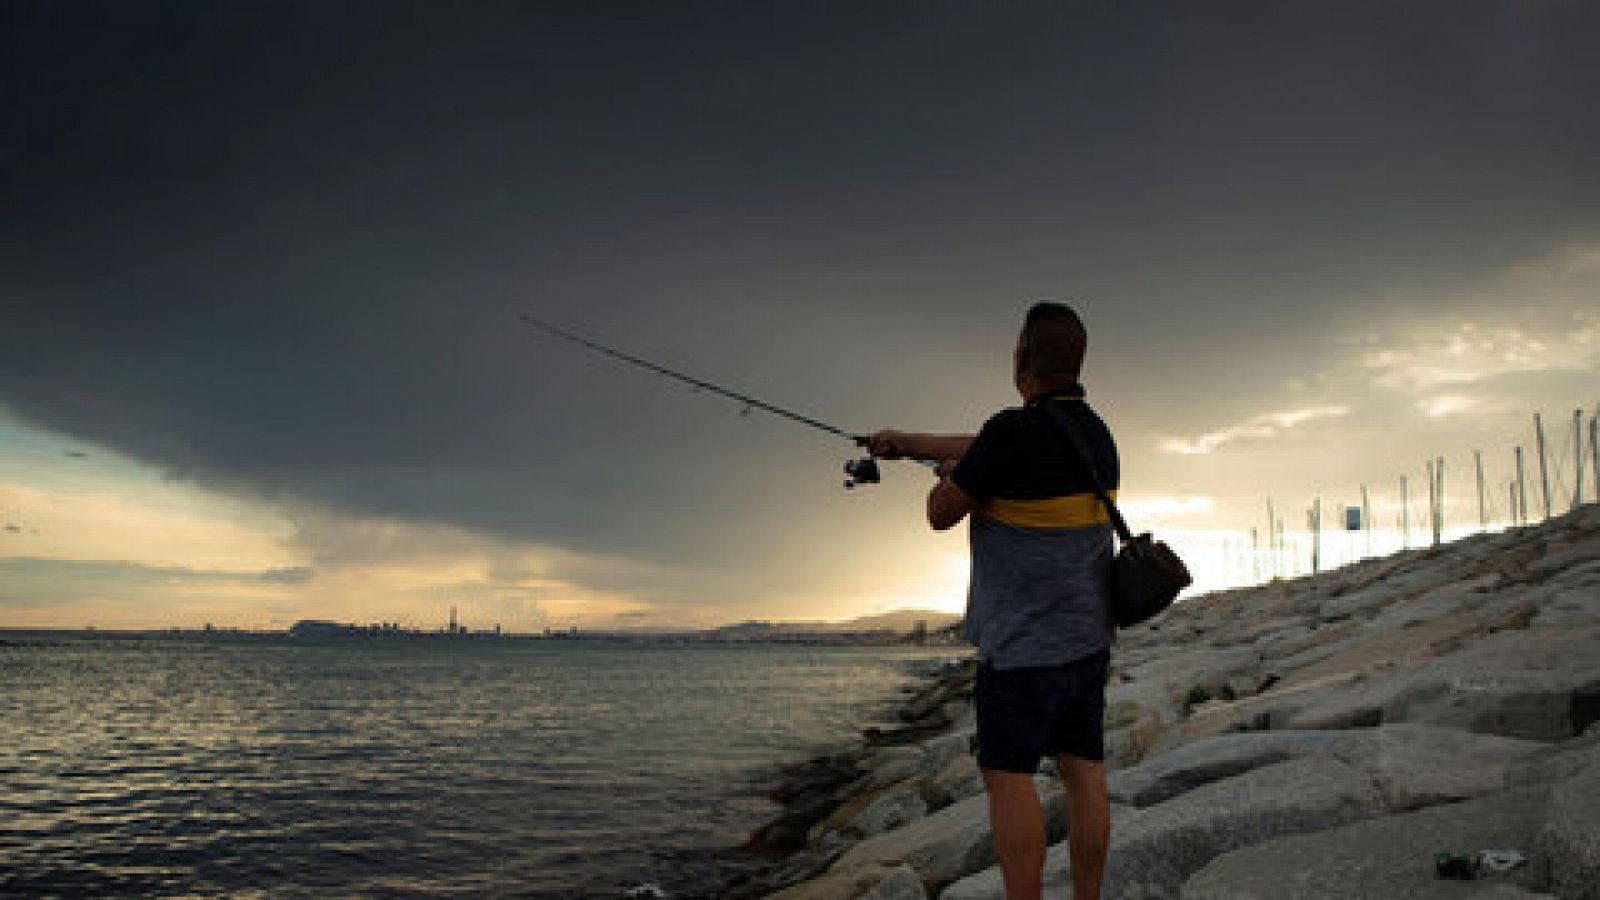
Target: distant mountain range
{"points": [[899, 621]]}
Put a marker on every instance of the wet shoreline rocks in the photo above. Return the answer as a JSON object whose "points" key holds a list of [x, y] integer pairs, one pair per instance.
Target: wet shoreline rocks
{"points": [[1321, 737], [895, 774]]}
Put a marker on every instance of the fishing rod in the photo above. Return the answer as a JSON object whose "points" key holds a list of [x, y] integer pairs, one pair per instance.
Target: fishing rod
{"points": [[857, 471]]}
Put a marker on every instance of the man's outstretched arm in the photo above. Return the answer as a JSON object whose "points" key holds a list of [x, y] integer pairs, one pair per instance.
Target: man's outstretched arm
{"points": [[892, 444]]}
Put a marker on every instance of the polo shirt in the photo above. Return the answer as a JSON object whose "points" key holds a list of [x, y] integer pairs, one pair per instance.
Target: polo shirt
{"points": [[1041, 541]]}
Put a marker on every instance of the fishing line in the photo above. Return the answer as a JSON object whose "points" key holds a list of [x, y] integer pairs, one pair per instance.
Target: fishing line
{"points": [[859, 471]]}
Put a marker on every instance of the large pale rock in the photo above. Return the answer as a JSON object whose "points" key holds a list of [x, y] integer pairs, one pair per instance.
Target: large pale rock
{"points": [[1291, 643], [1153, 850], [950, 843], [1539, 684], [1127, 746], [1212, 759], [869, 809], [1530, 703], [1571, 836], [1215, 668], [1561, 762], [1364, 601], [932, 698], [988, 884], [937, 753], [1272, 709], [1372, 649], [1414, 766], [901, 884], [891, 809], [1156, 691], [940, 847], [1508, 611], [1138, 712], [1569, 598], [1262, 629], [852, 882], [1335, 702], [1565, 555], [955, 782], [1383, 858], [1311, 662], [960, 713], [1429, 605], [1367, 573], [892, 764]]}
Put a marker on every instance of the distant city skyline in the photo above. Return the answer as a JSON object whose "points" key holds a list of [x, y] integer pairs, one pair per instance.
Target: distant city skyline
{"points": [[263, 267]]}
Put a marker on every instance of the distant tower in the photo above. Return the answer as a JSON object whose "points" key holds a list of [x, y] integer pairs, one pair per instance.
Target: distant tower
{"points": [[452, 618]]}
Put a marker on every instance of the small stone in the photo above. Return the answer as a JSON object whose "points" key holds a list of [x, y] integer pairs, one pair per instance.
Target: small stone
{"points": [[901, 884]]}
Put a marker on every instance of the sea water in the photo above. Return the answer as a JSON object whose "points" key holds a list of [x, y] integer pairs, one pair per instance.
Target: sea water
{"points": [[412, 767]]}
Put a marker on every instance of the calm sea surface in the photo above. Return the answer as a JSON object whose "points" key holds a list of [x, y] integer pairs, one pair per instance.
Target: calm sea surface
{"points": [[403, 767]]}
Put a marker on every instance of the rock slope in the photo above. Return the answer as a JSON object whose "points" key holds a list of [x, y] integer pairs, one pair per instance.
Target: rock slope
{"points": [[1322, 737]]}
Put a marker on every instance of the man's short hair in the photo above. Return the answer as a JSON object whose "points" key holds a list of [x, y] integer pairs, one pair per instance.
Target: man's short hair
{"points": [[1053, 342]]}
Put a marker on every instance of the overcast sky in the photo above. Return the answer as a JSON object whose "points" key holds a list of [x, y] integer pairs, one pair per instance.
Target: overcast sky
{"points": [[260, 266]]}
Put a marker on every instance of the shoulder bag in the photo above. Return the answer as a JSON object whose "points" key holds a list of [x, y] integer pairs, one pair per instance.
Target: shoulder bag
{"points": [[1146, 576]]}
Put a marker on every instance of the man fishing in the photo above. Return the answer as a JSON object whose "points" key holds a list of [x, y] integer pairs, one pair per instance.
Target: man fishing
{"points": [[1038, 606]]}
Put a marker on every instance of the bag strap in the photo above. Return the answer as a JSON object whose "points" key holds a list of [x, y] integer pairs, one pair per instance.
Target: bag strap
{"points": [[1054, 430]]}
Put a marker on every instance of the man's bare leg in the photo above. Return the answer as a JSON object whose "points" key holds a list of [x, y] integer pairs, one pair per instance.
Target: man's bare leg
{"points": [[1018, 826], [1088, 823]]}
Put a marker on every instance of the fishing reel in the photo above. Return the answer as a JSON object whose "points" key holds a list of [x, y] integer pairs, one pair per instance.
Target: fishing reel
{"points": [[861, 471], [865, 470]]}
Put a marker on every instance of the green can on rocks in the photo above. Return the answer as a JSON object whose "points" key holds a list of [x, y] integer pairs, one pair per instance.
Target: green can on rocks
{"points": [[1460, 866]]}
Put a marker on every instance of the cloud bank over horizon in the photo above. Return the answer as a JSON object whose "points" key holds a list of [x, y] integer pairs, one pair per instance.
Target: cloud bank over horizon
{"points": [[263, 270]]}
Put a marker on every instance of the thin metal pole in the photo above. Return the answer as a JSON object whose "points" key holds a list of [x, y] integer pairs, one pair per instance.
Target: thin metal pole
{"points": [[1544, 468], [1405, 516], [1483, 506], [1511, 498], [1255, 553], [1594, 452], [1433, 501], [1577, 457], [1519, 515], [1311, 526], [1272, 539], [1314, 521]]}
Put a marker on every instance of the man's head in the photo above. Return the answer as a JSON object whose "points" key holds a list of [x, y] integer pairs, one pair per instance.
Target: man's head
{"points": [[1050, 349]]}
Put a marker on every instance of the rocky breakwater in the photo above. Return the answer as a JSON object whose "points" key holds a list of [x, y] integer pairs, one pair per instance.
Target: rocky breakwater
{"points": [[1316, 738]]}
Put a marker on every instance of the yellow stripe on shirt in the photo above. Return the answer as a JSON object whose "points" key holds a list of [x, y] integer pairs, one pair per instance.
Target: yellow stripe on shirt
{"points": [[1069, 511]]}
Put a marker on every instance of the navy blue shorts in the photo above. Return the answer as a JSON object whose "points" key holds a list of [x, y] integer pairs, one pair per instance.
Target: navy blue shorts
{"points": [[1027, 714]]}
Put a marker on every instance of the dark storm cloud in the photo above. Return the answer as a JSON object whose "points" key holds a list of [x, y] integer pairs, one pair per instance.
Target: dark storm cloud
{"points": [[278, 248]]}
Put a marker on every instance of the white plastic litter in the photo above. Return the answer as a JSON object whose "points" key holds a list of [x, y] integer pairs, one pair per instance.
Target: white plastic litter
{"points": [[1501, 860]]}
